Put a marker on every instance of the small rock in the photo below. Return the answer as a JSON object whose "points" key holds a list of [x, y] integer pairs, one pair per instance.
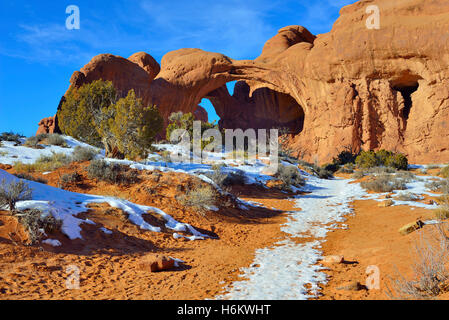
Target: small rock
{"points": [[411, 227], [353, 286], [334, 259], [156, 263], [430, 202], [387, 203]]}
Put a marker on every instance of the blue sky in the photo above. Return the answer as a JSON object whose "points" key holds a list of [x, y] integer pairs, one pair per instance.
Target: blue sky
{"points": [[38, 54]]}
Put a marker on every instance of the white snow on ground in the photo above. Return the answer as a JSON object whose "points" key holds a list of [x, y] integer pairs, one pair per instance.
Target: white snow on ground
{"points": [[65, 205], [52, 242], [10, 153], [279, 272], [284, 269], [416, 187]]}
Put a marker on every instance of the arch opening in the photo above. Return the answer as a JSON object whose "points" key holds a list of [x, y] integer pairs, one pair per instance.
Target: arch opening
{"points": [[264, 109], [406, 92]]}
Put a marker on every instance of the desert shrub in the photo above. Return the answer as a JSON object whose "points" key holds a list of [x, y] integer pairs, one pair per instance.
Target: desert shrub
{"points": [[226, 179], [290, 177], [347, 168], [11, 136], [81, 154], [131, 126], [37, 225], [430, 272], [200, 198], [345, 157], [397, 161], [331, 167], [11, 193], [32, 142], [69, 178], [358, 174], [56, 140], [29, 177], [367, 159], [80, 113], [111, 172], [325, 172], [384, 183], [51, 139], [406, 176], [407, 196], [370, 159], [439, 186], [444, 172]]}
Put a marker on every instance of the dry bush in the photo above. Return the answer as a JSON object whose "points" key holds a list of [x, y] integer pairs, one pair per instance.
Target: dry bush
{"points": [[11, 193], [384, 183], [68, 179], [439, 186], [112, 172], [408, 196], [226, 179], [200, 198], [56, 140], [10, 136], [431, 273], [290, 177], [34, 223], [81, 154], [51, 139]]}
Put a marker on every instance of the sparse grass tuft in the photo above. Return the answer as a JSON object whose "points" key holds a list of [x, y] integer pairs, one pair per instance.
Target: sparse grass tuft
{"points": [[442, 212], [444, 172], [384, 183], [44, 163]]}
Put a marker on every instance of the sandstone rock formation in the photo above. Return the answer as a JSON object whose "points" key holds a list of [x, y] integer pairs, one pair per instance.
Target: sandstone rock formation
{"points": [[353, 87], [48, 125]]}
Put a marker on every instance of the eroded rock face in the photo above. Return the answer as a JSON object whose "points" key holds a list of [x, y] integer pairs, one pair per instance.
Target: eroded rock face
{"points": [[352, 87]]}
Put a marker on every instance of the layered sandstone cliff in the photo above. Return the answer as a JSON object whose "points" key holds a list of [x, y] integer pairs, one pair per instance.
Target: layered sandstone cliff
{"points": [[352, 87]]}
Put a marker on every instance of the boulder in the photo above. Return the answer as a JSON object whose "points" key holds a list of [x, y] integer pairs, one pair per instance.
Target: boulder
{"points": [[411, 227]]}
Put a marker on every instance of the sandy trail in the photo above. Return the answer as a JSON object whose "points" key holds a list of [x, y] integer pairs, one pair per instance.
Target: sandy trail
{"points": [[288, 269]]}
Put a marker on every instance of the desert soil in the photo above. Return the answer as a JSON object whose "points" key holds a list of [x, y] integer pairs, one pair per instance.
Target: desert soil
{"points": [[110, 265]]}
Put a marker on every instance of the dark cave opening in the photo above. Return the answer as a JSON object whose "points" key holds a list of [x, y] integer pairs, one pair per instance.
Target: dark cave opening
{"points": [[406, 92]]}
